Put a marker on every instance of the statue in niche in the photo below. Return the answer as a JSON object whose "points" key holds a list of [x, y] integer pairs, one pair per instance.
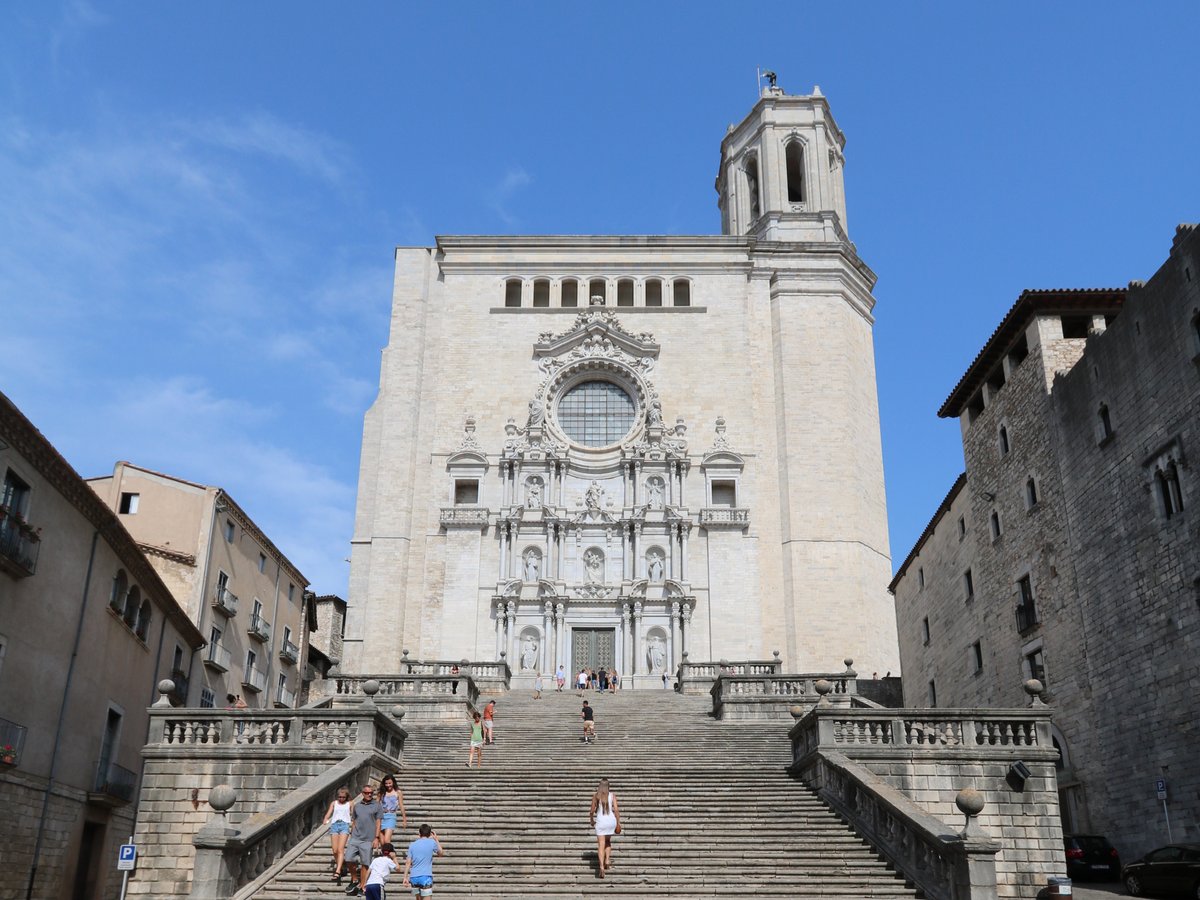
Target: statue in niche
{"points": [[533, 562], [592, 497], [656, 654], [654, 566], [529, 651], [537, 413], [654, 415], [654, 493], [593, 567], [533, 493]]}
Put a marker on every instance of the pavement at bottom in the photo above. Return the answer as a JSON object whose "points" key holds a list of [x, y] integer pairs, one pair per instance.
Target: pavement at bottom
{"points": [[1092, 890]]}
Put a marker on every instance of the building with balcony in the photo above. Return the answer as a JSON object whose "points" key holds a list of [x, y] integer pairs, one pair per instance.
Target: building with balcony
{"points": [[1069, 550], [88, 629], [246, 597]]}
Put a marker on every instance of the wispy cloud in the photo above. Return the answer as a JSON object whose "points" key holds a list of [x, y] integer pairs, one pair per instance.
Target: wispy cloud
{"points": [[505, 190], [78, 17]]}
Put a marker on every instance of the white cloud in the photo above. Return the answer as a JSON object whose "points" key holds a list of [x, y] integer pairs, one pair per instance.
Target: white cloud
{"points": [[505, 190]]}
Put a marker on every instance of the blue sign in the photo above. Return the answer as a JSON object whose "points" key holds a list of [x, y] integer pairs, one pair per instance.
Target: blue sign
{"points": [[1160, 788], [126, 857]]}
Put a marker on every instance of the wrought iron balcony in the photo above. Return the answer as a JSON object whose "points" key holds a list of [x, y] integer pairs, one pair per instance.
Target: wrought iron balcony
{"points": [[1027, 617], [259, 628], [225, 602], [284, 697], [115, 785], [12, 742], [217, 658], [254, 679], [20, 544], [289, 652]]}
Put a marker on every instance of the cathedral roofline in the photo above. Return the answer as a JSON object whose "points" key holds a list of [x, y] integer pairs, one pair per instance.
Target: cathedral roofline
{"points": [[775, 99], [1028, 306], [592, 241]]}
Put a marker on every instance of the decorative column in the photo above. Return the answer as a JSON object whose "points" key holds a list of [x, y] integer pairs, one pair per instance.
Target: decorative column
{"points": [[637, 482], [503, 528], [676, 640], [626, 552], [503, 484], [562, 484], [639, 559], [626, 641], [560, 655], [499, 628], [513, 649], [684, 528], [636, 640], [687, 628], [547, 627]]}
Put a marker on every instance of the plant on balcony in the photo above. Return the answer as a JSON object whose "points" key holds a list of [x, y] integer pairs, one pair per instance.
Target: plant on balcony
{"points": [[8, 755]]}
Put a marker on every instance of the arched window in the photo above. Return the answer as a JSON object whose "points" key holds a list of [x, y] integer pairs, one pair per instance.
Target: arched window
{"points": [[795, 172], [512, 292], [120, 587], [625, 292], [541, 293], [682, 289], [752, 187], [132, 603], [598, 287], [570, 292], [143, 620], [654, 292]]}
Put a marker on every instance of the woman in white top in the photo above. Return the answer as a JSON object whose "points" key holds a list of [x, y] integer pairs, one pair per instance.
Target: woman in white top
{"points": [[337, 817], [606, 817]]}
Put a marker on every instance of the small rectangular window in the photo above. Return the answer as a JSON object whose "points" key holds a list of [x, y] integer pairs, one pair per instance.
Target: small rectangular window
{"points": [[994, 521], [1031, 494], [570, 293], [129, 504], [16, 494], [920, 579], [724, 493], [932, 694], [291, 593], [541, 293], [466, 493], [1035, 665], [654, 292], [682, 292], [214, 636], [968, 585], [262, 562], [625, 292], [925, 630], [1076, 326], [976, 657], [207, 698], [962, 527], [598, 288], [229, 531], [512, 293]]}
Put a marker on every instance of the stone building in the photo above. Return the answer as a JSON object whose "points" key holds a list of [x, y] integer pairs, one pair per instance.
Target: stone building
{"points": [[87, 630], [612, 450], [1069, 551], [244, 595]]}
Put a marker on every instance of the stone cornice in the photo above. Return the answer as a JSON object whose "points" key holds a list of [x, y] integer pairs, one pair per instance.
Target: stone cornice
{"points": [[188, 559]]}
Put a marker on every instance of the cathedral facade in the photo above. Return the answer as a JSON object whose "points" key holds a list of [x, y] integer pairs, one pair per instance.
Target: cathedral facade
{"points": [[615, 450]]}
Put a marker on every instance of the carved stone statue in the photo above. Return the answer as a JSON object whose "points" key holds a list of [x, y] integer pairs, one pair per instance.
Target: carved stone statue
{"points": [[533, 562], [529, 651], [656, 654], [654, 493], [593, 567], [592, 497], [533, 493], [654, 415], [537, 413], [654, 567]]}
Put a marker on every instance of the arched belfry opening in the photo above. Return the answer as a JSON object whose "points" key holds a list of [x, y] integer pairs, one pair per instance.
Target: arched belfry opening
{"points": [[794, 157]]}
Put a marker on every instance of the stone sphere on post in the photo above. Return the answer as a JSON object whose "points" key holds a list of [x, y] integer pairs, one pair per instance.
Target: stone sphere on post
{"points": [[850, 667], [164, 689], [1034, 689], [370, 688], [398, 712], [221, 798], [798, 712], [970, 803], [824, 689]]}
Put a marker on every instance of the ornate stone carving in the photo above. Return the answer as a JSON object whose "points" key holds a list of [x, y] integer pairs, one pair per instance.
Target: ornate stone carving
{"points": [[533, 492], [529, 650], [656, 654], [533, 564], [469, 441], [720, 442], [655, 492], [593, 566], [654, 566]]}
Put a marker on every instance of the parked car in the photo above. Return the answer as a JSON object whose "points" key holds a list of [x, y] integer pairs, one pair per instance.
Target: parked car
{"points": [[1091, 856], [1171, 871]]}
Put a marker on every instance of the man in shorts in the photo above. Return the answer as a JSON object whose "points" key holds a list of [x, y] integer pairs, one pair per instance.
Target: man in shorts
{"points": [[589, 723], [489, 724], [418, 866], [365, 819]]}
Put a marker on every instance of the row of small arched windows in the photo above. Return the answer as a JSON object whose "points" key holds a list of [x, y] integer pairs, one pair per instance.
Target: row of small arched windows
{"points": [[629, 292], [127, 602]]}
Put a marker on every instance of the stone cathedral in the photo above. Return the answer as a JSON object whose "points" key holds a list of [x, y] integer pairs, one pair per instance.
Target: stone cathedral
{"points": [[616, 450]]}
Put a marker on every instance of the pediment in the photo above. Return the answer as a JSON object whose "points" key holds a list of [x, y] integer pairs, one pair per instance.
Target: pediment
{"points": [[596, 330], [726, 459], [466, 458]]}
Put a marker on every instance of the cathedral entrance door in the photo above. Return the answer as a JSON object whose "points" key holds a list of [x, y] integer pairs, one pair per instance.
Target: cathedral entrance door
{"points": [[593, 648]]}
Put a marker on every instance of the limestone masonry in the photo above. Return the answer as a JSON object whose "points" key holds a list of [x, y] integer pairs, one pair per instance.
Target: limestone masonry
{"points": [[612, 450]]}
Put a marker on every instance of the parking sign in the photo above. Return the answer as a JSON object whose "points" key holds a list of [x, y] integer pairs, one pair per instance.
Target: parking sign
{"points": [[1160, 788], [127, 857]]}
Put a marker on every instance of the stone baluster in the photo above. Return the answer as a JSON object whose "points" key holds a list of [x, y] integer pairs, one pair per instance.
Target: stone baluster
{"points": [[636, 638]]}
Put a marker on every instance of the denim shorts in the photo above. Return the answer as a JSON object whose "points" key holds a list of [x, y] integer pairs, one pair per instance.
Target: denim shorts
{"points": [[339, 827], [422, 885], [388, 822]]}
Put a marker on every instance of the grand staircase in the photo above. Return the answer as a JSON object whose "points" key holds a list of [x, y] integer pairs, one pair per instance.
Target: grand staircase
{"points": [[707, 809]]}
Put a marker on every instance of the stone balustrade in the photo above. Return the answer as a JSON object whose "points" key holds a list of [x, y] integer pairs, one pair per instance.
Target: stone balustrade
{"points": [[699, 677], [892, 773], [244, 730], [713, 517], [465, 516], [776, 696], [425, 696]]}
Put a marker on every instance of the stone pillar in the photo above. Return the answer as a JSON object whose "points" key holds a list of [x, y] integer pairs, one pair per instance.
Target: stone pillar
{"points": [[547, 627], [503, 484], [626, 641], [684, 528], [637, 483], [499, 628], [513, 649], [626, 553], [639, 559], [559, 653], [686, 628], [676, 639], [636, 640]]}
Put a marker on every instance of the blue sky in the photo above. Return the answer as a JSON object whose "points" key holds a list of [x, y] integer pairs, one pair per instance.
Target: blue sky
{"points": [[198, 202]]}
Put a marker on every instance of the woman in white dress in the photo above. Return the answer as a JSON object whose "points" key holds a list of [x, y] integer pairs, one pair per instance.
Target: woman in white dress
{"points": [[606, 817]]}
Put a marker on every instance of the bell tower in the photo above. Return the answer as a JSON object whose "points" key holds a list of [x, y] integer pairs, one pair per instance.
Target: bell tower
{"points": [[781, 171]]}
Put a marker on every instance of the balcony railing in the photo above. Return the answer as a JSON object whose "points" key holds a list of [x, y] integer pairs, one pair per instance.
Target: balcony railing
{"points": [[289, 652], [217, 658], [225, 602], [12, 742], [20, 544], [254, 679], [724, 517], [1027, 617], [259, 628], [284, 697], [180, 692], [114, 783], [465, 516]]}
